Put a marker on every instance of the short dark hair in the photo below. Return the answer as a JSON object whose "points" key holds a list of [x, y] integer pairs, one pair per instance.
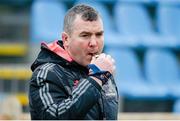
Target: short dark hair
{"points": [[87, 14]]}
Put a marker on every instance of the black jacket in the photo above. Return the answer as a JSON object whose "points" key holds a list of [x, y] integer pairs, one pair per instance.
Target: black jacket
{"points": [[61, 89]]}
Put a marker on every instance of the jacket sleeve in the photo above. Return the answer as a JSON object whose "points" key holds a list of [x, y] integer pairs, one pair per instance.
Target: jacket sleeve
{"points": [[52, 101]]}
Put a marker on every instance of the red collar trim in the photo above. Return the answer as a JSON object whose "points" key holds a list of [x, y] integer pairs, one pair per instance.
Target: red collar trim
{"points": [[54, 47]]}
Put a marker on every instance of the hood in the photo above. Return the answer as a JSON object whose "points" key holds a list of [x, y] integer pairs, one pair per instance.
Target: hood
{"points": [[54, 53]]}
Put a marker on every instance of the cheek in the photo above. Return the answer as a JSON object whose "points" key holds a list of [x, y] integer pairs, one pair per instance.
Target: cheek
{"points": [[78, 47], [101, 44]]}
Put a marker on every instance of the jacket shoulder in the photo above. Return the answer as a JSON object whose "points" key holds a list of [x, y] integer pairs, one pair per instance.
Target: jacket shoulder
{"points": [[48, 72]]}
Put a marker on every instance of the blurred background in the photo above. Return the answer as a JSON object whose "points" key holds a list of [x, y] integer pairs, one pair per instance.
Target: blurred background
{"points": [[142, 35]]}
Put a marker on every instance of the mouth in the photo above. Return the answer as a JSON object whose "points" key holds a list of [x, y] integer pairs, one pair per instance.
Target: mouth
{"points": [[93, 54]]}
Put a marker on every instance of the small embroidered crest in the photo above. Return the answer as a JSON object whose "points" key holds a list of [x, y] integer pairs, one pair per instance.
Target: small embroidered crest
{"points": [[76, 83]]}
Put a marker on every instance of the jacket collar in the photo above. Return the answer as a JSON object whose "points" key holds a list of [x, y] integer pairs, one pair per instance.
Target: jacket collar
{"points": [[56, 48]]}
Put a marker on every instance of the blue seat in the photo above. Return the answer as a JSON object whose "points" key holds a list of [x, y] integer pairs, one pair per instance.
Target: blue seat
{"points": [[111, 35], [46, 20], [108, 1], [168, 2], [168, 21], [137, 1], [162, 69], [129, 78], [176, 107], [133, 20]]}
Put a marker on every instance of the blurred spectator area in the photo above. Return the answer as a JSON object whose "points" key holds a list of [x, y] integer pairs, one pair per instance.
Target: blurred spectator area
{"points": [[142, 35], [14, 50]]}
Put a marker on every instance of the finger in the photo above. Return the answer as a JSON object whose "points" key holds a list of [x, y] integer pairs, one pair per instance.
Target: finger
{"points": [[102, 55], [108, 56], [113, 61], [114, 68], [93, 59]]}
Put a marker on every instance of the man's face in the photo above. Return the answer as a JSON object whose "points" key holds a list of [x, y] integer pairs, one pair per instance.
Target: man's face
{"points": [[85, 41]]}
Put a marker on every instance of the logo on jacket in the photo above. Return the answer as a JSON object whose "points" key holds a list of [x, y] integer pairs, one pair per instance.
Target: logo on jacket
{"points": [[75, 83], [109, 89]]}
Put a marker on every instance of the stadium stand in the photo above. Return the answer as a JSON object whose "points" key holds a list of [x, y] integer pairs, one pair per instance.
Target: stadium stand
{"points": [[168, 21], [130, 80], [137, 1], [168, 2], [176, 108], [13, 49], [16, 2], [162, 69], [133, 20], [46, 27], [10, 108], [15, 71]]}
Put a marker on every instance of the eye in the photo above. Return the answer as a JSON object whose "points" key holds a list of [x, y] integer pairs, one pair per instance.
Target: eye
{"points": [[99, 34], [84, 35]]}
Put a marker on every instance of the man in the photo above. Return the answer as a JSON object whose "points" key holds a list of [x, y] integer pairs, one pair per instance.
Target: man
{"points": [[71, 78]]}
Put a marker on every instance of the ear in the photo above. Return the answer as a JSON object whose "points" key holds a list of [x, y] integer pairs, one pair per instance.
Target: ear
{"points": [[65, 39]]}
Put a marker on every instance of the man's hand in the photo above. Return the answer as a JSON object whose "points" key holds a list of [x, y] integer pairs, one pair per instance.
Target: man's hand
{"points": [[104, 62]]}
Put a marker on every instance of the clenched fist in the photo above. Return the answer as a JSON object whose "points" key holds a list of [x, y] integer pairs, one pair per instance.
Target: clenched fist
{"points": [[104, 62]]}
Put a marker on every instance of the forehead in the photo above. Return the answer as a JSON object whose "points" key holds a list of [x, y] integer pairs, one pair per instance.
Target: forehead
{"points": [[92, 26]]}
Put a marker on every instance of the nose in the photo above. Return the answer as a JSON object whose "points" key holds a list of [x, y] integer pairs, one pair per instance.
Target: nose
{"points": [[93, 42]]}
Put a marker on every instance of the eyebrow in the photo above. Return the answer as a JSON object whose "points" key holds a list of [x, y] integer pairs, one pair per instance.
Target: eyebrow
{"points": [[101, 32], [85, 32]]}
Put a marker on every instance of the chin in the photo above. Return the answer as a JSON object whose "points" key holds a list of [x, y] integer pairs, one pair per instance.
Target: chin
{"points": [[84, 63], [87, 63]]}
